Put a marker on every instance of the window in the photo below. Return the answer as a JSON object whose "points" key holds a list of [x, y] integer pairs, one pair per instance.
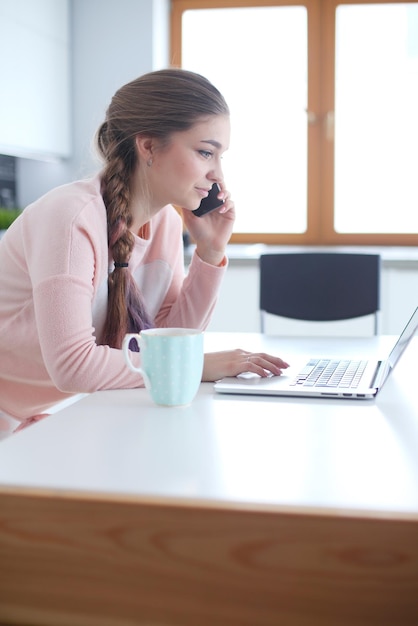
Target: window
{"points": [[323, 95]]}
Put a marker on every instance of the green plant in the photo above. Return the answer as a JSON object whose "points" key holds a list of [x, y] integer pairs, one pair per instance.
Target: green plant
{"points": [[7, 216]]}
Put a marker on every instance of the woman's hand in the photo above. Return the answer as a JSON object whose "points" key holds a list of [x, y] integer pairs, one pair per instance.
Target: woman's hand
{"points": [[212, 231], [233, 362]]}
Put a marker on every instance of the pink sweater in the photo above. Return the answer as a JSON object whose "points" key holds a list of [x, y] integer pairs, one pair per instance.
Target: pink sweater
{"points": [[54, 266]]}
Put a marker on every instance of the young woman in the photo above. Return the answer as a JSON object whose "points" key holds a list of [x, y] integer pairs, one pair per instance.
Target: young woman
{"points": [[95, 259]]}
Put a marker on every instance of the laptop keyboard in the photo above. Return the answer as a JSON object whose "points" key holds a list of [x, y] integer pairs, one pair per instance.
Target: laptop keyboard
{"points": [[330, 373]]}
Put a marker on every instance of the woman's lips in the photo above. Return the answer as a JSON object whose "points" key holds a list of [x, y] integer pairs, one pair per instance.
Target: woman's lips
{"points": [[202, 192]]}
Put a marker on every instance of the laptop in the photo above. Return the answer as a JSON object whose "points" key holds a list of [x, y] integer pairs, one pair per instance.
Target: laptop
{"points": [[358, 379]]}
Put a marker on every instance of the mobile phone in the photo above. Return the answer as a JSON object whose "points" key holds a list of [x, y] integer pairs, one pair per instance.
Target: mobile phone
{"points": [[210, 203]]}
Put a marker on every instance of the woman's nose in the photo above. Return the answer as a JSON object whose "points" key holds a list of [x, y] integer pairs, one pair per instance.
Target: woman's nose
{"points": [[216, 175]]}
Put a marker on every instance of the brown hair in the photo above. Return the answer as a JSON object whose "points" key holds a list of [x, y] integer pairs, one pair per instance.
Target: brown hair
{"points": [[157, 105]]}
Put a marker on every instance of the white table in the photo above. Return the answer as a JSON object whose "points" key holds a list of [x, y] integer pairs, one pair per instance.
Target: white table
{"points": [[234, 510]]}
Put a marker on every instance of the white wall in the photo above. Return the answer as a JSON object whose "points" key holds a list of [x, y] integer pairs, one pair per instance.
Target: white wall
{"points": [[112, 42]]}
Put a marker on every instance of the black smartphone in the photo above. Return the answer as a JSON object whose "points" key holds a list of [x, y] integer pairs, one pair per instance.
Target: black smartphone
{"points": [[210, 203]]}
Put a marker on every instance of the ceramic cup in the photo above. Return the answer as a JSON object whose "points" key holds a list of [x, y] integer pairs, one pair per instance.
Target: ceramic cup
{"points": [[171, 363]]}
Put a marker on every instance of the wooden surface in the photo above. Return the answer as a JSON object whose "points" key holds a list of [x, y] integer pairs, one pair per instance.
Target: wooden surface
{"points": [[93, 562]]}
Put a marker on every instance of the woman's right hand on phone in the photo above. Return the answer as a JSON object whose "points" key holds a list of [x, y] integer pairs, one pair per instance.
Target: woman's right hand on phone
{"points": [[213, 232]]}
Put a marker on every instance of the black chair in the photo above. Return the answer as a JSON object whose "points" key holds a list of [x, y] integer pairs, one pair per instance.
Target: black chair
{"points": [[320, 286]]}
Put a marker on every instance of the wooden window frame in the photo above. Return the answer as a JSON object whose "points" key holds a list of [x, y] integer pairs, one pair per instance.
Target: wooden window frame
{"points": [[321, 70]]}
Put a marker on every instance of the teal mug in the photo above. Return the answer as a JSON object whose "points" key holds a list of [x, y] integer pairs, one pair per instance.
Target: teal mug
{"points": [[171, 363]]}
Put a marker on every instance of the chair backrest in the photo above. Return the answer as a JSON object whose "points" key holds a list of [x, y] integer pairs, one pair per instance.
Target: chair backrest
{"points": [[320, 286]]}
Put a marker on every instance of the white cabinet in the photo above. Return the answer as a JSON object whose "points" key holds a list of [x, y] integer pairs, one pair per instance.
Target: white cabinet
{"points": [[34, 78], [237, 307], [400, 296]]}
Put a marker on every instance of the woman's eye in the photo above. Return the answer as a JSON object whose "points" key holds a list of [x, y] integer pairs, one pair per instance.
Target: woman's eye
{"points": [[205, 153]]}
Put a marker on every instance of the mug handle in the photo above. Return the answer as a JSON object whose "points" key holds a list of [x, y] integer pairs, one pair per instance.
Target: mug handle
{"points": [[125, 349]]}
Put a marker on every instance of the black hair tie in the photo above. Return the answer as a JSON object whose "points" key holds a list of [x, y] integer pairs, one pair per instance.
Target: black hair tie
{"points": [[121, 264]]}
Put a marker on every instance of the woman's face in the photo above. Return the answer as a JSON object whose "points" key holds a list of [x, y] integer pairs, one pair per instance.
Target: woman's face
{"points": [[183, 171]]}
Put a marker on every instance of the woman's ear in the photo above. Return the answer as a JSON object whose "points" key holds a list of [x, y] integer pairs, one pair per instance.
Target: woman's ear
{"points": [[145, 147]]}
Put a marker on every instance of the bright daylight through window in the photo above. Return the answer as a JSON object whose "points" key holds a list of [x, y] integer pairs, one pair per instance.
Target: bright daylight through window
{"points": [[323, 99], [376, 133]]}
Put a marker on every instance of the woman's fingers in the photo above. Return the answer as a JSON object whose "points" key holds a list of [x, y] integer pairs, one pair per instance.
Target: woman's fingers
{"points": [[264, 364]]}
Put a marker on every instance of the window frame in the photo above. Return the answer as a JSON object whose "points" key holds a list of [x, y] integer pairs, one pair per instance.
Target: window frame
{"points": [[321, 71]]}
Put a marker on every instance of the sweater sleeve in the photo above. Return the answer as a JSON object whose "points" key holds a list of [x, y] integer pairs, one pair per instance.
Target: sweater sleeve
{"points": [[191, 299], [65, 282], [191, 296], [75, 363]]}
